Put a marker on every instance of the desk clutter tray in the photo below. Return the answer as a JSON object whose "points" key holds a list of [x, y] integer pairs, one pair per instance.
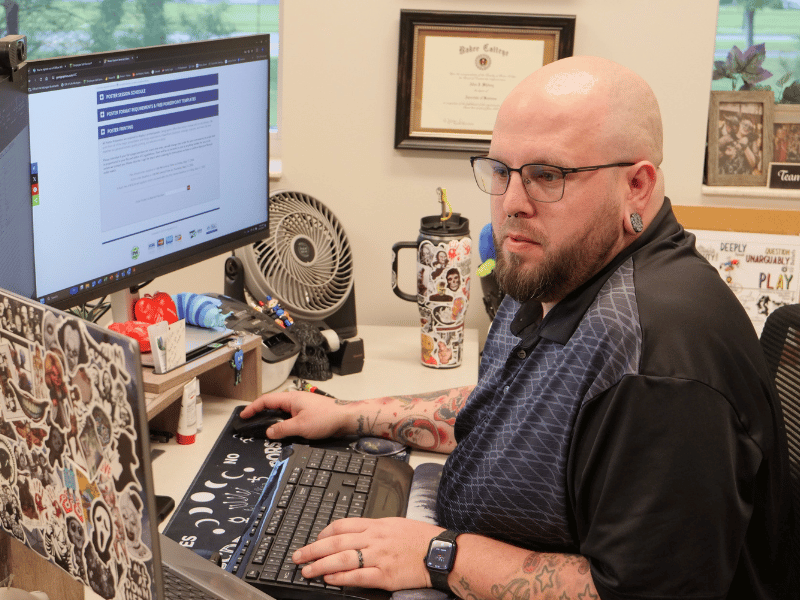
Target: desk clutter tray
{"points": [[218, 504]]}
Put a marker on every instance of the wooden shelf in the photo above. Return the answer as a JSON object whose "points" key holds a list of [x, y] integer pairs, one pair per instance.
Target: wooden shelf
{"points": [[33, 572], [216, 377]]}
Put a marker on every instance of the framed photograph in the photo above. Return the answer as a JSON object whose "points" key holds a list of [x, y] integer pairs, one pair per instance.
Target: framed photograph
{"points": [[740, 137], [786, 133], [455, 69]]}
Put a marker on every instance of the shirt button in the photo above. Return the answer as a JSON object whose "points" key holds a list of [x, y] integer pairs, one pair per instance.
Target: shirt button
{"points": [[522, 354]]}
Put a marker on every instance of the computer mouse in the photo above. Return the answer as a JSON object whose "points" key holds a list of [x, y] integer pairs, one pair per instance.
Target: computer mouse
{"points": [[256, 426]]}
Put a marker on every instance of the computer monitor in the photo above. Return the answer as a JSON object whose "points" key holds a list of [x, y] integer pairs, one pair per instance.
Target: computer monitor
{"points": [[145, 161]]}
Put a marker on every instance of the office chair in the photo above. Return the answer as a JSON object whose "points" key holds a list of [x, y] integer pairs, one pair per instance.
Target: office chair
{"points": [[780, 340]]}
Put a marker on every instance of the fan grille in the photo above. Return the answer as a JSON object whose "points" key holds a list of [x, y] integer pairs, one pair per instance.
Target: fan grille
{"points": [[305, 261]]}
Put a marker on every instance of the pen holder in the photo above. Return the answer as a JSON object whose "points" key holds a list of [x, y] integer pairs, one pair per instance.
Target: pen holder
{"points": [[443, 285]]}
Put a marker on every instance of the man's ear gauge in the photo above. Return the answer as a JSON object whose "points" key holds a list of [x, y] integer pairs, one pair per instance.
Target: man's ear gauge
{"points": [[636, 222]]}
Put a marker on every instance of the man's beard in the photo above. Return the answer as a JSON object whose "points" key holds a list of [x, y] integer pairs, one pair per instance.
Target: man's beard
{"points": [[559, 272]]}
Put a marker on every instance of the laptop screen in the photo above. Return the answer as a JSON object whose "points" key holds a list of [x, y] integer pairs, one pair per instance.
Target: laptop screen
{"points": [[73, 442]]}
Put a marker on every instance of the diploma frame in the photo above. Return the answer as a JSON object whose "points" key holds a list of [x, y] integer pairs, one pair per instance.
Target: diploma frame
{"points": [[557, 32]]}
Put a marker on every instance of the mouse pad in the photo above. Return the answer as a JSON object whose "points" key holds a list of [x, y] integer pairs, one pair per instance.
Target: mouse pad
{"points": [[218, 504]]}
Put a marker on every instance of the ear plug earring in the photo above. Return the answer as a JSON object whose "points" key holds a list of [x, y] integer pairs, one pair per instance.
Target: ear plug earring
{"points": [[636, 222]]}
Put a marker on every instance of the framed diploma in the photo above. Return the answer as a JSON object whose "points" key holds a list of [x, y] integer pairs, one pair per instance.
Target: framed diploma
{"points": [[455, 68]]}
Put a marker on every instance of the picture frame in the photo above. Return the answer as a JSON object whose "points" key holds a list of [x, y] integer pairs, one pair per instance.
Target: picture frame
{"points": [[740, 137], [455, 68], [786, 133]]}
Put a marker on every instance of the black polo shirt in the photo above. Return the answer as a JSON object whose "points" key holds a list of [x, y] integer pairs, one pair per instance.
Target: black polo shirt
{"points": [[635, 425]]}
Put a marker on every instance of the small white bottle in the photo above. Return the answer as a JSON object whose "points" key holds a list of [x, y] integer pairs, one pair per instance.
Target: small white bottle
{"points": [[187, 422], [199, 408]]}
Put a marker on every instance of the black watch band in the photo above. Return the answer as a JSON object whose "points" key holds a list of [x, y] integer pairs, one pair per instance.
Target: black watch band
{"points": [[439, 581], [442, 547]]}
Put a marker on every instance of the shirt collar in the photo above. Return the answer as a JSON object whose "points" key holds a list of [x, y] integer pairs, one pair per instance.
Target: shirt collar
{"points": [[564, 318]]}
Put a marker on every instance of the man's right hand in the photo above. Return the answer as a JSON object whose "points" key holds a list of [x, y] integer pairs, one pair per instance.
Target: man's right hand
{"points": [[313, 416]]}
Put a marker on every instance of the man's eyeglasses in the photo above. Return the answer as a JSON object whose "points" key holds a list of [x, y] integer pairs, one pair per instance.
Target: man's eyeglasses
{"points": [[544, 183]]}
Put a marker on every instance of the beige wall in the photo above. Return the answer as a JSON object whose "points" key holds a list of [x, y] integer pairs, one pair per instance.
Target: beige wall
{"points": [[339, 82]]}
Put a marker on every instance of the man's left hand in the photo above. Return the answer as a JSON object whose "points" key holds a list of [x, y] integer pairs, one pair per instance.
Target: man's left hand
{"points": [[392, 552]]}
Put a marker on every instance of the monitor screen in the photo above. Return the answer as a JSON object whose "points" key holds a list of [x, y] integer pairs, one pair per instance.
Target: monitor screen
{"points": [[146, 160]]}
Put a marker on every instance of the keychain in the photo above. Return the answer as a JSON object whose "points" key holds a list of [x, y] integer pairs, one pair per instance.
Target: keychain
{"points": [[237, 360]]}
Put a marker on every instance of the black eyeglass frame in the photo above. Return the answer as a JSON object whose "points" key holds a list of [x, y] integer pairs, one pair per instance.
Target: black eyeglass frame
{"points": [[564, 172]]}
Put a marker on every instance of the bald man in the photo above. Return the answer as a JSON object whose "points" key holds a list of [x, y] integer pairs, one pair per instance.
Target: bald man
{"points": [[623, 440]]}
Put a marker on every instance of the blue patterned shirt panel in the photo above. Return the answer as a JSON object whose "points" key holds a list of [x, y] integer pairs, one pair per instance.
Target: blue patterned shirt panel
{"points": [[507, 477]]}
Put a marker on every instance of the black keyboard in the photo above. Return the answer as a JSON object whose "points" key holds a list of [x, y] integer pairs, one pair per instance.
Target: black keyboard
{"points": [[317, 486]]}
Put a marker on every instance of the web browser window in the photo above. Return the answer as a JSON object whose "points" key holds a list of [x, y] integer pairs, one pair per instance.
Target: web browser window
{"points": [[143, 154]]}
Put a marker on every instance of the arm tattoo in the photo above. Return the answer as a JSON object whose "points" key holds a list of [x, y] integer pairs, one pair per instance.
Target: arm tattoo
{"points": [[543, 575], [341, 402], [444, 404], [516, 589], [423, 420], [418, 431]]}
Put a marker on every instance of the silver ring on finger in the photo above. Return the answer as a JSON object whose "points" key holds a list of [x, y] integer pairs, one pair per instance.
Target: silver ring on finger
{"points": [[360, 559]]}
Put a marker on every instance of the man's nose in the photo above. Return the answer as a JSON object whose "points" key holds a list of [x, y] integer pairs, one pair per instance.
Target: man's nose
{"points": [[516, 200]]}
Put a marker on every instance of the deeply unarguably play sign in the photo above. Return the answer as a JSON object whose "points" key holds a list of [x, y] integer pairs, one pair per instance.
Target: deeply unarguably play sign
{"points": [[761, 269]]}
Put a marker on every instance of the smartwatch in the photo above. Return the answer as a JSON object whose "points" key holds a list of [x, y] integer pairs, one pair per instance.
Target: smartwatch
{"points": [[440, 559]]}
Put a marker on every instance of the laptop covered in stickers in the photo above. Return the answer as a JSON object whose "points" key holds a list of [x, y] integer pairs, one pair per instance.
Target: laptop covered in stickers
{"points": [[76, 483]]}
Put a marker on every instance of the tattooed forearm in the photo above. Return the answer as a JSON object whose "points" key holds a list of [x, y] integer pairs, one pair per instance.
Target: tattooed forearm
{"points": [[465, 591], [443, 404], [367, 426], [536, 560], [420, 432], [517, 589], [542, 575], [342, 402], [451, 403], [417, 430], [423, 420]]}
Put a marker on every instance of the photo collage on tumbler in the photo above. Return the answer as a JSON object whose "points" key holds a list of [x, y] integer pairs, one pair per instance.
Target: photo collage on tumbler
{"points": [[443, 287]]}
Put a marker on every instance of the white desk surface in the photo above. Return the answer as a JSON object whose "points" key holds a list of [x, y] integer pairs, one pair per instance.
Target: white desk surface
{"points": [[391, 366]]}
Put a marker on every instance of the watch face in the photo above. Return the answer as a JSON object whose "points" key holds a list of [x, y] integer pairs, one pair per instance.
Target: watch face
{"points": [[440, 555]]}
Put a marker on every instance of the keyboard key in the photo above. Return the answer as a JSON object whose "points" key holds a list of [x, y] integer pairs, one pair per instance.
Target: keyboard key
{"points": [[299, 579], [268, 575], [295, 475]]}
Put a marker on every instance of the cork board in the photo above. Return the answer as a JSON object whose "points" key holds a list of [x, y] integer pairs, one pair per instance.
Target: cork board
{"points": [[753, 220]]}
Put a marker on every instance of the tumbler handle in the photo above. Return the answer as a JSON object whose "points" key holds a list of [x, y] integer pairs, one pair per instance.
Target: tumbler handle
{"points": [[395, 251]]}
